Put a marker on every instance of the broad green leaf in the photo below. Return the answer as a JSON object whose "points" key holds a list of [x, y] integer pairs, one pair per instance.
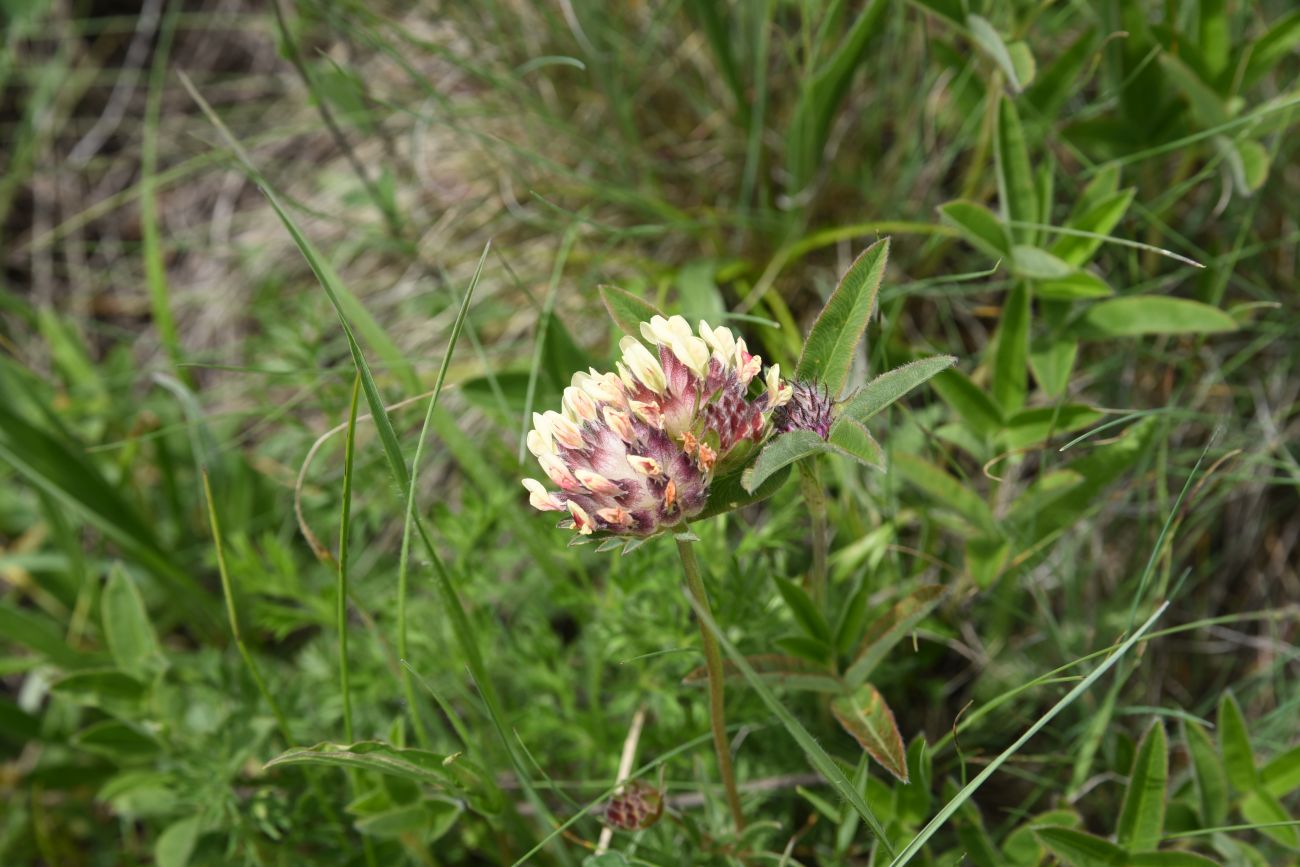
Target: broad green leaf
{"points": [[1207, 773], [817, 756], [1214, 38], [728, 493], [1101, 219], [1261, 808], [176, 843], [864, 714], [991, 43], [828, 351], [782, 451], [1073, 287], [948, 492], [1169, 859], [1034, 426], [979, 226], [1016, 194], [890, 628], [852, 439], [1022, 845], [1035, 263], [1080, 849], [397, 822], [99, 686], [116, 741], [1248, 161], [627, 310], [1022, 59], [1234, 745], [1279, 41], [805, 612], [784, 671], [1011, 351], [979, 849], [1142, 816], [1052, 364], [418, 766], [1139, 315], [974, 405], [131, 637], [882, 391], [1281, 776]]}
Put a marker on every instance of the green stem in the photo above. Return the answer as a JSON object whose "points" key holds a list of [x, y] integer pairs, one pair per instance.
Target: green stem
{"points": [[713, 664], [815, 498]]}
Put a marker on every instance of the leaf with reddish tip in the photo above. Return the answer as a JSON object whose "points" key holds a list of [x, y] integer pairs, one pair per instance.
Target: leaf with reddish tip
{"points": [[864, 714], [627, 310]]}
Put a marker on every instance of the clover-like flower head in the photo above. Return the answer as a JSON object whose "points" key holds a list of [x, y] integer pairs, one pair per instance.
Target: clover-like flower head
{"points": [[634, 450]]}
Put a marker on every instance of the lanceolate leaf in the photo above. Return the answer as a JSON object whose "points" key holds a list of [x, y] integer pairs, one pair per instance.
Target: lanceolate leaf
{"points": [[1019, 200], [990, 41], [882, 391], [1101, 219], [1081, 849], [778, 670], [627, 310], [805, 612], [1011, 356], [864, 714], [949, 492], [1281, 776], [854, 440], [784, 450], [828, 351], [974, 405], [979, 226], [1261, 808], [1142, 817], [418, 766], [131, 636], [889, 629], [1207, 772], [1234, 745], [1138, 315]]}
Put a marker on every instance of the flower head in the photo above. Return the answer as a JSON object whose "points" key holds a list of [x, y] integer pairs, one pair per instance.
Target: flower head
{"points": [[807, 406], [634, 451]]}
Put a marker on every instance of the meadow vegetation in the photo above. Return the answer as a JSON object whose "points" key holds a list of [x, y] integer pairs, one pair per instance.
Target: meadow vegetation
{"points": [[284, 282]]}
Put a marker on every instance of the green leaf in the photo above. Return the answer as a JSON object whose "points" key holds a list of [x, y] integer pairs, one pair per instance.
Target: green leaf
{"points": [[1234, 745], [1073, 287], [1063, 78], [1207, 106], [17, 726], [803, 647], [409, 819], [1079, 848], [890, 628], [828, 351], [1011, 352], [865, 715], [971, 402], [805, 613], [1016, 194], [116, 741], [728, 493], [131, 637], [1249, 162], [176, 843], [627, 310], [817, 756], [37, 632], [1279, 41], [1100, 219], [1261, 808], [1207, 773], [1281, 776], [418, 766], [1034, 426], [1142, 816], [851, 438], [981, 228], [99, 686], [948, 492], [780, 452], [1022, 845], [1052, 364], [887, 388], [1214, 39], [1022, 60], [1035, 263], [990, 42], [1139, 315]]}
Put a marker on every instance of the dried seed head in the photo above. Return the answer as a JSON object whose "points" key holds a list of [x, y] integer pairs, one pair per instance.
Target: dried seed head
{"points": [[636, 808]]}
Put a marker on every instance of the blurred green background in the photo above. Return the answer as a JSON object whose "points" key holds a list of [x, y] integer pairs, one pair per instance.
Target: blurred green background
{"points": [[1095, 206]]}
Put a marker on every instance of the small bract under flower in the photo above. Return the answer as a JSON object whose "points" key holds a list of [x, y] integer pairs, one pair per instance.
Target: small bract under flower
{"points": [[634, 451]]}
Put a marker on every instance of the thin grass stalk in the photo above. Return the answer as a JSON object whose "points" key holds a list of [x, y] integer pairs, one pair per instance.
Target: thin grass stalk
{"points": [[713, 664], [341, 593]]}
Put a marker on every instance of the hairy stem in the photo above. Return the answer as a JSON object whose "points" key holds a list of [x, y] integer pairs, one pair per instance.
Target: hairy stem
{"points": [[713, 664], [815, 498]]}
